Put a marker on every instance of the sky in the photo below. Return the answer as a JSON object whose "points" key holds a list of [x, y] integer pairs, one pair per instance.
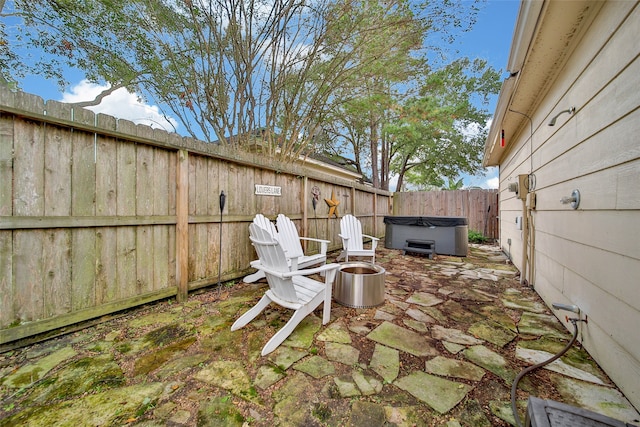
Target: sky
{"points": [[490, 39]]}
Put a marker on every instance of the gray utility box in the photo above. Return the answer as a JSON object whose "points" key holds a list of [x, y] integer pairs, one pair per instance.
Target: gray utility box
{"points": [[549, 413], [450, 233]]}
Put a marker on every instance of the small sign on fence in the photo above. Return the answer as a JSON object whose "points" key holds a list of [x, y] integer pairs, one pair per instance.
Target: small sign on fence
{"points": [[268, 190]]}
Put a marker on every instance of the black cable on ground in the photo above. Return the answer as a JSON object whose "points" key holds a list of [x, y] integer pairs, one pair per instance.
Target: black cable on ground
{"points": [[525, 371]]}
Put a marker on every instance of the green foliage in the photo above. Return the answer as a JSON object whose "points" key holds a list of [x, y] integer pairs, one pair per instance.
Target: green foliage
{"points": [[476, 237]]}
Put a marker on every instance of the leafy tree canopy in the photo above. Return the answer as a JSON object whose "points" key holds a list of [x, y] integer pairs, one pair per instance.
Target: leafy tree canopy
{"points": [[361, 75]]}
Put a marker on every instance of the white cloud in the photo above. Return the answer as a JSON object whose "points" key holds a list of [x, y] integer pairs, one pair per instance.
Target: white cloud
{"points": [[121, 104], [493, 183]]}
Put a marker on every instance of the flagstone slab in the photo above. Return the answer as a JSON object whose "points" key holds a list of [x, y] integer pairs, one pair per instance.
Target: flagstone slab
{"points": [[458, 313], [315, 366], [603, 400], [346, 386], [541, 325], [180, 364], [491, 361], [420, 315], [418, 326], [31, 373], [453, 335], [336, 332], [492, 332], [424, 298], [267, 376], [383, 315], [342, 353], [467, 294], [576, 356], [367, 414], [106, 408], [366, 384], [440, 394], [302, 336], [534, 357], [284, 357], [403, 339], [360, 327], [435, 313], [453, 347], [512, 301], [400, 304], [296, 388], [446, 367], [385, 362], [227, 374], [498, 315]]}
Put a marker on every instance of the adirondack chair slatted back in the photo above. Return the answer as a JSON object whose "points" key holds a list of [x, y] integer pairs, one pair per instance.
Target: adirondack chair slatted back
{"points": [[266, 224], [271, 255], [351, 227], [288, 236]]}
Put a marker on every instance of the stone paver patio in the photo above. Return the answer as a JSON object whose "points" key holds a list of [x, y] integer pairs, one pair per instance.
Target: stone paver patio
{"points": [[444, 349]]}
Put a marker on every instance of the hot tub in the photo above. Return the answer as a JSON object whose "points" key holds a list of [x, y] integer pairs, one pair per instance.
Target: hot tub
{"points": [[450, 233]]}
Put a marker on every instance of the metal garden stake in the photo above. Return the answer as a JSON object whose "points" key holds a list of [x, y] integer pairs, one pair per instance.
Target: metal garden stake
{"points": [[223, 198]]}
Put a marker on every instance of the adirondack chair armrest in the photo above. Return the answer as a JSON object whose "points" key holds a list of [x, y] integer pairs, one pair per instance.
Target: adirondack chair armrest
{"points": [[374, 241], [344, 238], [304, 272], [323, 243], [307, 271]]}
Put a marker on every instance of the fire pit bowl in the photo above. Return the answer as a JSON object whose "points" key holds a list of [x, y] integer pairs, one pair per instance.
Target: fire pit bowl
{"points": [[359, 285]]}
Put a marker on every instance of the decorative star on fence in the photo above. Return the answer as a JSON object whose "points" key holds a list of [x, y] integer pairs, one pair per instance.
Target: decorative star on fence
{"points": [[333, 205]]}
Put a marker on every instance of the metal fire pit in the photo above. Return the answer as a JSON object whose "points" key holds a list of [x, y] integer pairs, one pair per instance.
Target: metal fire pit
{"points": [[360, 285]]}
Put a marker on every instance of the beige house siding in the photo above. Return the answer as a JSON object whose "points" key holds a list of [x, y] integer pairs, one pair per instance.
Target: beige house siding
{"points": [[589, 257]]}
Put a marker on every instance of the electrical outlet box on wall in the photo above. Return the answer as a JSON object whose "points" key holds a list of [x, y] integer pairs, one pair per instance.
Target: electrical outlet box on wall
{"points": [[523, 186]]}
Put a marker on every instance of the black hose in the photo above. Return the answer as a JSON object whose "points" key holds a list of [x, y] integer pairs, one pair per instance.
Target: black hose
{"points": [[525, 371]]}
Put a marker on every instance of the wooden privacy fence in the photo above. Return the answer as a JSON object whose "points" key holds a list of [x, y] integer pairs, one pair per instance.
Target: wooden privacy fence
{"points": [[479, 206], [98, 215]]}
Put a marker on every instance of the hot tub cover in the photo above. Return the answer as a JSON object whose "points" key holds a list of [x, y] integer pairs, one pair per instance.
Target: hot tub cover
{"points": [[427, 221]]}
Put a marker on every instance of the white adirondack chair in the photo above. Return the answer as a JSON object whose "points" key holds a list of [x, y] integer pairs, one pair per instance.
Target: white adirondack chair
{"points": [[290, 240], [264, 223], [290, 289], [353, 239]]}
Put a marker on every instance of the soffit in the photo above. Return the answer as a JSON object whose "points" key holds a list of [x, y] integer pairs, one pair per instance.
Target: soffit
{"points": [[559, 25]]}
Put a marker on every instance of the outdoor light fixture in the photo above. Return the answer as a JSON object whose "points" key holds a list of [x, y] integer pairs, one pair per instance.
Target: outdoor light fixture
{"points": [[553, 120]]}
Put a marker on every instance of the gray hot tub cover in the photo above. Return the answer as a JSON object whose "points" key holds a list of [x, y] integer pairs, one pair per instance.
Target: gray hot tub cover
{"points": [[427, 221]]}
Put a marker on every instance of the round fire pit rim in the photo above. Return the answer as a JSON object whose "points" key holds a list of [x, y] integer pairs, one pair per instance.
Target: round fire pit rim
{"points": [[360, 290]]}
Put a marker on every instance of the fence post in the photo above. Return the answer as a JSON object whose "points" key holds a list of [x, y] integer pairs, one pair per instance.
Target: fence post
{"points": [[182, 225]]}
